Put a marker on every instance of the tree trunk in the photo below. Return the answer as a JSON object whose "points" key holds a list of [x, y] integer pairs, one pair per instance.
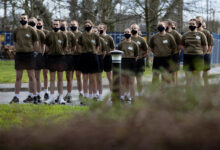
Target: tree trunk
{"points": [[180, 16], [147, 19], [5, 16]]}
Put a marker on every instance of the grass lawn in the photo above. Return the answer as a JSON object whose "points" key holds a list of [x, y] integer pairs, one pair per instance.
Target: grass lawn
{"points": [[8, 74], [29, 115]]}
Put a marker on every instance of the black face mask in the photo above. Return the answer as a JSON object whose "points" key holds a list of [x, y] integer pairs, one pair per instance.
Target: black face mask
{"points": [[199, 25], [134, 32], [88, 28], [167, 29], [23, 22], [56, 29], [62, 28], [32, 24], [101, 31], [39, 27], [173, 28], [192, 28], [127, 36], [160, 28], [73, 28]]}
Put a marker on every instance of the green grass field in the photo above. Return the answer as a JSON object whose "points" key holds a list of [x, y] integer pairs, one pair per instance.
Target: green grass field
{"points": [[29, 115], [8, 73]]}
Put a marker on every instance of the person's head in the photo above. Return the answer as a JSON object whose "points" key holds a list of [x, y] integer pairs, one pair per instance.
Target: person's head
{"points": [[40, 23], [169, 24], [88, 25], [95, 30], [174, 25], [63, 25], [102, 28], [32, 21], [135, 29], [199, 21], [127, 33], [161, 26], [74, 25], [192, 24], [56, 25], [23, 19]]}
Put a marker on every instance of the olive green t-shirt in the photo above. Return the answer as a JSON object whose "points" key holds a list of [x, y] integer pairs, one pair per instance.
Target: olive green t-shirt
{"points": [[103, 47], [109, 42], [71, 42], [41, 36], [24, 39], [130, 49], [194, 42], [209, 37], [163, 45], [142, 44], [78, 50], [89, 42], [177, 37], [45, 31], [56, 42]]}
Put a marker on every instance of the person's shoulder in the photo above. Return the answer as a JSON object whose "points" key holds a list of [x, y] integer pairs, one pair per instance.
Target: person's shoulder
{"points": [[134, 43], [108, 36], [155, 35], [187, 33], [141, 38], [40, 32], [202, 33], [31, 29]]}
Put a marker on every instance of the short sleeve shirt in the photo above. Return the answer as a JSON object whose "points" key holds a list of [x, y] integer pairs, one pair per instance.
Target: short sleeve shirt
{"points": [[24, 39]]}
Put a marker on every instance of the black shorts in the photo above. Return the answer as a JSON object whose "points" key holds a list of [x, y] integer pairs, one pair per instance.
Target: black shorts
{"points": [[175, 64], [108, 63], [101, 63], [45, 61], [162, 64], [76, 62], [40, 61], [89, 63], [69, 62], [57, 63], [207, 62], [25, 61], [140, 66], [128, 66], [193, 62]]}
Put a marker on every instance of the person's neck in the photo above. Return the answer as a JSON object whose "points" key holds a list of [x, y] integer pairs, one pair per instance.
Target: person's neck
{"points": [[162, 33], [135, 35], [128, 40], [200, 29], [90, 32], [24, 26]]}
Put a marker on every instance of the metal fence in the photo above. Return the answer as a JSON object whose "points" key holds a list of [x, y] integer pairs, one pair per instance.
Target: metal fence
{"points": [[6, 39]]}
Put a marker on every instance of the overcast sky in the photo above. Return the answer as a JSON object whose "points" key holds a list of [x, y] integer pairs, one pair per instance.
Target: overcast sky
{"points": [[214, 5]]}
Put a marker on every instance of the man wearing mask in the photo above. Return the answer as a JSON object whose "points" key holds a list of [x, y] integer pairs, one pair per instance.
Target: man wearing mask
{"points": [[162, 45], [39, 58], [26, 43], [176, 55], [40, 26], [110, 47], [143, 52], [74, 26], [194, 46], [56, 45], [207, 56], [69, 59]]}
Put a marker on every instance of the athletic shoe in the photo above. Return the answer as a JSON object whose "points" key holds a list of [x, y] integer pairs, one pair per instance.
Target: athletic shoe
{"points": [[46, 96], [35, 100], [50, 101], [68, 98], [62, 101], [15, 100], [39, 99], [29, 99], [57, 99], [80, 95]]}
